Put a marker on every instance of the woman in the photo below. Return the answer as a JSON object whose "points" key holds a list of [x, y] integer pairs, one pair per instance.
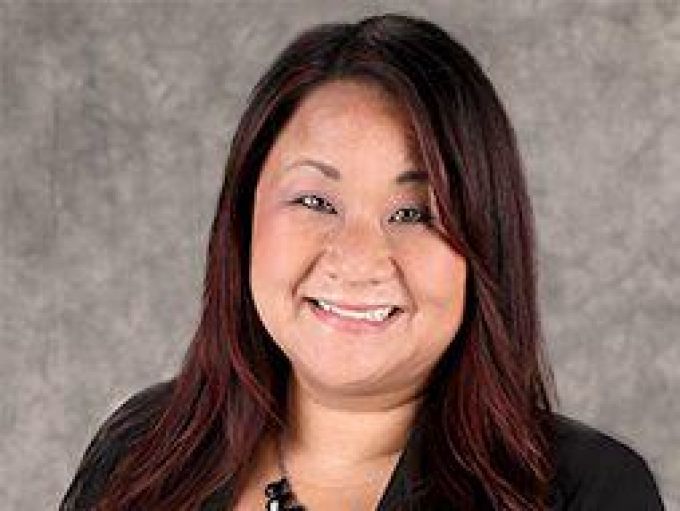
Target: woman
{"points": [[370, 336]]}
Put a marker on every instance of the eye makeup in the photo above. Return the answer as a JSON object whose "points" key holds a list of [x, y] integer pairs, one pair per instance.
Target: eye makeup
{"points": [[316, 202]]}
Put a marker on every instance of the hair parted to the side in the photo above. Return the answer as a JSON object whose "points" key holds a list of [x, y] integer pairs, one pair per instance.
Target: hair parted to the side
{"points": [[491, 393]]}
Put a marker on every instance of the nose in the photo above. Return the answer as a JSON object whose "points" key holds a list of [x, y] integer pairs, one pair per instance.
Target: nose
{"points": [[358, 253]]}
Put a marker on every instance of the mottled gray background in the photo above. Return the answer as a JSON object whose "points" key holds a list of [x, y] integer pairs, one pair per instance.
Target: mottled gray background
{"points": [[115, 122]]}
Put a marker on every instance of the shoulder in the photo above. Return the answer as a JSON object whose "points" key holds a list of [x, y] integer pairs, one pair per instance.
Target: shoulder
{"points": [[115, 434], [596, 471]]}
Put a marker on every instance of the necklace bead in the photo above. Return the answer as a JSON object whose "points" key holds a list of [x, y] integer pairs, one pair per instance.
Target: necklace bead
{"points": [[278, 489], [279, 495]]}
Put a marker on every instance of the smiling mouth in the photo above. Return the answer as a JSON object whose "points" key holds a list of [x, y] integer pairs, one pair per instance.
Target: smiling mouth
{"points": [[355, 312], [356, 325]]}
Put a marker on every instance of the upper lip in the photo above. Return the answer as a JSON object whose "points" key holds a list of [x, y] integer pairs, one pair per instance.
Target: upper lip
{"points": [[355, 306]]}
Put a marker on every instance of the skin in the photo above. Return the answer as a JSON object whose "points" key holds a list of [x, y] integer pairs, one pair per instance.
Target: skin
{"points": [[363, 244]]}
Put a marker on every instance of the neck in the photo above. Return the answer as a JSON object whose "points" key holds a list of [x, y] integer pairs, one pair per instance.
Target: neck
{"points": [[333, 437]]}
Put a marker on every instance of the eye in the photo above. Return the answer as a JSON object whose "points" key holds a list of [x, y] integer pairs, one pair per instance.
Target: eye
{"points": [[422, 214], [313, 202]]}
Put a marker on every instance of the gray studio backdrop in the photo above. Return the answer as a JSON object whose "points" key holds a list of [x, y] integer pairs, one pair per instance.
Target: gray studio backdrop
{"points": [[115, 122]]}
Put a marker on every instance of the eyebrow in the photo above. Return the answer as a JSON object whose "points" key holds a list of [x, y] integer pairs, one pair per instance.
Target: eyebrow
{"points": [[408, 176]]}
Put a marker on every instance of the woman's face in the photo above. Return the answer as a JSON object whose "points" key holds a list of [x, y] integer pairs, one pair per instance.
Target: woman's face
{"points": [[332, 220]]}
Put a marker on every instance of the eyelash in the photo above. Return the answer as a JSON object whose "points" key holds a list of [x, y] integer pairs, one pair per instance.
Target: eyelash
{"points": [[426, 216]]}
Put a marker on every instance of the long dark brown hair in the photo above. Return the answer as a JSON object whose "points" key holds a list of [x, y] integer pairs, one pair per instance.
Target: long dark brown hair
{"points": [[490, 394]]}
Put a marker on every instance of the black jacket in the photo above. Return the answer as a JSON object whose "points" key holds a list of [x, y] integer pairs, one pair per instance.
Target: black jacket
{"points": [[594, 471]]}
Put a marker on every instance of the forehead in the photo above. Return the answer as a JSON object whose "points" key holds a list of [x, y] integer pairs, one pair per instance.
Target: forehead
{"points": [[349, 97], [355, 113]]}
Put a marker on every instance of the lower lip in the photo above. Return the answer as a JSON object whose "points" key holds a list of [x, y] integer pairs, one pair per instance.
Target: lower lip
{"points": [[351, 325]]}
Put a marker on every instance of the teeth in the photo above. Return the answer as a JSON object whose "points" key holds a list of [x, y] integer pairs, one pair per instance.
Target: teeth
{"points": [[373, 315]]}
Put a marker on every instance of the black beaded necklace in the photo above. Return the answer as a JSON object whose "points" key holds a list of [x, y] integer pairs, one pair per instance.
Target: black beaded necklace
{"points": [[279, 493]]}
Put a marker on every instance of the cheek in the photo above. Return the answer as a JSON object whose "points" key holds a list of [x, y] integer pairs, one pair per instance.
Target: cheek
{"points": [[279, 250], [439, 276], [448, 275], [439, 270], [439, 293]]}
